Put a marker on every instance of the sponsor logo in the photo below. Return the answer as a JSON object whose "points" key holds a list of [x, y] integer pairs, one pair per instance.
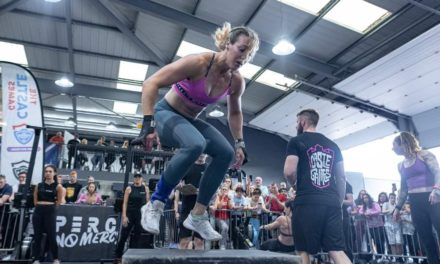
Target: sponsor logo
{"points": [[22, 134], [18, 167]]}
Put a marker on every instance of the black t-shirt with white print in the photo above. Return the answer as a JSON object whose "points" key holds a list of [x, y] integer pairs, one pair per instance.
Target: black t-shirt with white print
{"points": [[318, 156]]}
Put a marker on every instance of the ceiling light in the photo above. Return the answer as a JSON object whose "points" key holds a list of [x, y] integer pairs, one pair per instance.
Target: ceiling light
{"points": [[314, 6], [216, 112], [64, 82], [129, 87], [283, 47], [187, 48], [132, 71], [276, 80], [357, 15], [13, 53], [125, 108], [53, 1]]}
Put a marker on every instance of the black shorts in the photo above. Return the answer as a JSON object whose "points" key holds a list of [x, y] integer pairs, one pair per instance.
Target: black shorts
{"points": [[317, 227], [188, 202], [275, 245]]}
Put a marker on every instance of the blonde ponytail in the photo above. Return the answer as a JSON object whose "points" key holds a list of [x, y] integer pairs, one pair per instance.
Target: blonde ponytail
{"points": [[221, 36]]}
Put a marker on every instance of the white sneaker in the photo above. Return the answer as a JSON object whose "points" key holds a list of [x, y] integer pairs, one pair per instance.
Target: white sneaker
{"points": [[201, 225], [56, 261], [151, 213], [222, 247], [36, 262]]}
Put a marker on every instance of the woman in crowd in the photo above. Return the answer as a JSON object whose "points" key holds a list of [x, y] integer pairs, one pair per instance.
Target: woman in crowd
{"points": [[420, 180], [392, 226], [410, 239], [123, 157], [256, 204], [359, 224], [372, 213], [382, 199], [222, 205], [284, 241], [47, 195], [197, 81], [91, 196], [135, 196]]}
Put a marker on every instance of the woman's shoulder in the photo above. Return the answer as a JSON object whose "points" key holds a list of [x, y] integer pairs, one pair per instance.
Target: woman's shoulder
{"points": [[237, 79], [199, 59]]}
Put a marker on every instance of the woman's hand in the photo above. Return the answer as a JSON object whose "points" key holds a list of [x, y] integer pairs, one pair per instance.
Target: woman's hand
{"points": [[239, 158], [125, 221], [396, 215], [434, 197]]}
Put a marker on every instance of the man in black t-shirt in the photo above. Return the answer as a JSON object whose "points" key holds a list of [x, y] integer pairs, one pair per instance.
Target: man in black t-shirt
{"points": [[314, 163], [72, 187], [72, 153]]}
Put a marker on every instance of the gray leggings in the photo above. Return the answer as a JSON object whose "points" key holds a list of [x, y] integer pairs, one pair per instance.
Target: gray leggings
{"points": [[192, 137]]}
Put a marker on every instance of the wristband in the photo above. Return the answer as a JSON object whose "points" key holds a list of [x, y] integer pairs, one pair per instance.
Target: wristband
{"points": [[436, 187], [148, 124], [239, 143]]}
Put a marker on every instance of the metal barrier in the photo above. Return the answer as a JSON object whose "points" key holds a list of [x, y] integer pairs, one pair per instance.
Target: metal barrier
{"points": [[372, 240], [242, 228], [112, 159], [9, 220]]}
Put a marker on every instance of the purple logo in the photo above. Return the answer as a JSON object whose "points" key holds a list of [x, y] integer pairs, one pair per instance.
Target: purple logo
{"points": [[321, 164]]}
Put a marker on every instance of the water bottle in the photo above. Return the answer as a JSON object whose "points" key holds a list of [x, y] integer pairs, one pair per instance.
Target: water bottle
{"points": [[248, 243]]}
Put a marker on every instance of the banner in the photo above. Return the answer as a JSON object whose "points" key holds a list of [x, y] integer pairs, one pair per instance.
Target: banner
{"points": [[21, 106], [86, 233]]}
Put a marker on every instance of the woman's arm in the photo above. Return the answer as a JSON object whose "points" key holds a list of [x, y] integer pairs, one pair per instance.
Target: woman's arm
{"points": [[125, 202], [82, 198], [274, 225], [375, 210], [217, 202], [147, 193], [432, 163], [235, 116], [59, 194], [36, 195], [386, 209], [403, 192]]}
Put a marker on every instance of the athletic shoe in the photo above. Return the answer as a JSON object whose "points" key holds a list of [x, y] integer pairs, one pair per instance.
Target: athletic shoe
{"points": [[151, 213], [201, 225], [36, 262]]}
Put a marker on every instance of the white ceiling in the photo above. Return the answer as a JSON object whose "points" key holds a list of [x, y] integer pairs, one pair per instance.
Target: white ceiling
{"points": [[406, 80]]}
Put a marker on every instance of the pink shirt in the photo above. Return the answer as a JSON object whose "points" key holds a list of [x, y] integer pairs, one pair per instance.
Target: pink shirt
{"points": [[83, 199], [373, 215]]}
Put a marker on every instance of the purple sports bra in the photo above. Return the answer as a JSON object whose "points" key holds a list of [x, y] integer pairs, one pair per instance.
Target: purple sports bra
{"points": [[194, 91], [418, 175]]}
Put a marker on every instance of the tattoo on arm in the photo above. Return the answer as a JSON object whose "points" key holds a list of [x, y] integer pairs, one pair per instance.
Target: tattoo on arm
{"points": [[432, 163]]}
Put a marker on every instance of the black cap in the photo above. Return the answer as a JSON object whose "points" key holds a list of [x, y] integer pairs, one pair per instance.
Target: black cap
{"points": [[137, 175]]}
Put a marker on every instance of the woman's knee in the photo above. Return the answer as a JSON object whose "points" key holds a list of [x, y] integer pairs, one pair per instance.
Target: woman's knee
{"points": [[195, 149], [225, 153]]}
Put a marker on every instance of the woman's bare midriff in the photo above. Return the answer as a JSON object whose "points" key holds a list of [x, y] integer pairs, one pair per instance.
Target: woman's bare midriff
{"points": [[182, 107]]}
